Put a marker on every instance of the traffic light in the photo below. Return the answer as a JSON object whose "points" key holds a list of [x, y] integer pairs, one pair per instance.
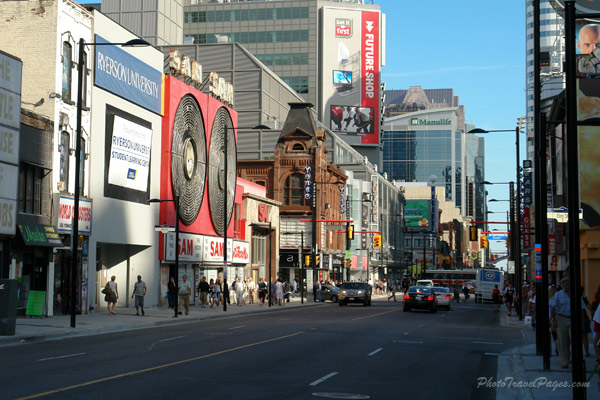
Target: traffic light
{"points": [[507, 242], [317, 261], [307, 260], [348, 263], [473, 233], [376, 241], [484, 242], [350, 232]]}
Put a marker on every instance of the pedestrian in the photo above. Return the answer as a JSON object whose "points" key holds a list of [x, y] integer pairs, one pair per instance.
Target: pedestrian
{"points": [[139, 291], [560, 311], [225, 291], [232, 295], [203, 291], [185, 289], [319, 289], [112, 295], [239, 291], [456, 294], [294, 287], [218, 292], [212, 294], [496, 298], [251, 290], [171, 292], [262, 291], [466, 292], [272, 292], [508, 298], [279, 292], [586, 323], [392, 288]]}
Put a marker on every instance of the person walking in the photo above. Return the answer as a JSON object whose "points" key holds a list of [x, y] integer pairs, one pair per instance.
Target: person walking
{"points": [[495, 298], [239, 291], [392, 288], [251, 290], [262, 291], [508, 298], [185, 289], [560, 312], [171, 292], [279, 292], [294, 287], [203, 291], [466, 292], [218, 292], [212, 294], [112, 295], [139, 291], [225, 291], [319, 289]]}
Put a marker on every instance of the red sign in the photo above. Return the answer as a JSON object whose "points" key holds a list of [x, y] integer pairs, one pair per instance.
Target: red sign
{"points": [[369, 82], [263, 213]]}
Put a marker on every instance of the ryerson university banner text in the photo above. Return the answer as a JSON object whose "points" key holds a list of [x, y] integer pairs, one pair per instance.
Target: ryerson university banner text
{"points": [[124, 75]]}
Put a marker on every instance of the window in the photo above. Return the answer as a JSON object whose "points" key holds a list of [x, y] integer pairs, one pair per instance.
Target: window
{"points": [[63, 149], [298, 147], [30, 189], [67, 73], [293, 190], [259, 252]]}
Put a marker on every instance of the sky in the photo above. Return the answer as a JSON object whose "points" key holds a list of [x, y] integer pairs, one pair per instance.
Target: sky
{"points": [[477, 48]]}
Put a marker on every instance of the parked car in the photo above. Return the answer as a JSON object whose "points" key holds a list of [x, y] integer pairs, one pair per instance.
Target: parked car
{"points": [[443, 296], [330, 292], [421, 297], [355, 292]]}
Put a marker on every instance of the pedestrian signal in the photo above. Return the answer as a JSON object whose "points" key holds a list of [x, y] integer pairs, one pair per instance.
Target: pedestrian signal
{"points": [[350, 232], [376, 240]]}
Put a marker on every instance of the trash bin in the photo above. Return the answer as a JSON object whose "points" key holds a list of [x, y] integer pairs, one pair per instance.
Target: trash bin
{"points": [[8, 306]]}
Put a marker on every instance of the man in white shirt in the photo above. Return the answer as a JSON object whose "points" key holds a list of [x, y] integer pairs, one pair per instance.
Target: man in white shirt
{"points": [[239, 291], [251, 289]]}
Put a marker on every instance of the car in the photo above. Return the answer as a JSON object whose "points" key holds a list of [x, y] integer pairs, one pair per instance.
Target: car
{"points": [[421, 297], [443, 296], [355, 292], [424, 282], [330, 292]]}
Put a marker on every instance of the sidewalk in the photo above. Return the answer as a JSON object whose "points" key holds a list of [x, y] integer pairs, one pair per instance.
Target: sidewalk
{"points": [[521, 375], [38, 329]]}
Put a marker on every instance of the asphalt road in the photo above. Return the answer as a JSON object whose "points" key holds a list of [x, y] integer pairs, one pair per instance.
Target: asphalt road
{"points": [[377, 352]]}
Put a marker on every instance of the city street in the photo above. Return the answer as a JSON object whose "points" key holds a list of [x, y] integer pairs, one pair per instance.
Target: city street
{"points": [[311, 352]]}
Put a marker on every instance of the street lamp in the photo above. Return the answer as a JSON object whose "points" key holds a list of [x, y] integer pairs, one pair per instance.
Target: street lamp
{"points": [[300, 261], [225, 208], [75, 225], [176, 201]]}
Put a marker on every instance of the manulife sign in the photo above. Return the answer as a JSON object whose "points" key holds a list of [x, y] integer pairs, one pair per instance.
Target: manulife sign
{"points": [[441, 121]]}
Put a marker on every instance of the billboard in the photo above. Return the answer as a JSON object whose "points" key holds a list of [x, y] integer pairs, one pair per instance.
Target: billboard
{"points": [[417, 214], [351, 55]]}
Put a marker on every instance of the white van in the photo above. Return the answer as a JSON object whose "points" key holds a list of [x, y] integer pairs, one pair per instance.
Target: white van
{"points": [[425, 282]]}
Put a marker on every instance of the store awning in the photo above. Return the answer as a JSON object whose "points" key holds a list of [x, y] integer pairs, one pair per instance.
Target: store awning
{"points": [[40, 235]]}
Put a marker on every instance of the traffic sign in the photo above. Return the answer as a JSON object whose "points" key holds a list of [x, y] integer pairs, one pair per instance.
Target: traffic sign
{"points": [[164, 228], [498, 237], [561, 214]]}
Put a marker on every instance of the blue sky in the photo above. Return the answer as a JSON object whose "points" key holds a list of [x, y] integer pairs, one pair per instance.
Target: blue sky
{"points": [[477, 48]]}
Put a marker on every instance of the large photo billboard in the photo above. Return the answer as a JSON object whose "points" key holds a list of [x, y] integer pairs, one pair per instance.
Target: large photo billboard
{"points": [[417, 214], [351, 74]]}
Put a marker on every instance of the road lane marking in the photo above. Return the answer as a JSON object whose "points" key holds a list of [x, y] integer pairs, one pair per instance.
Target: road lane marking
{"points": [[323, 379], [485, 342], [59, 357], [158, 367], [283, 319], [173, 338], [408, 341], [491, 354], [405, 333], [373, 315], [375, 351], [420, 326], [237, 327]]}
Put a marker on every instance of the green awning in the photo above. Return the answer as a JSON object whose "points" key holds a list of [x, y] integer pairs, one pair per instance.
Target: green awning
{"points": [[40, 235]]}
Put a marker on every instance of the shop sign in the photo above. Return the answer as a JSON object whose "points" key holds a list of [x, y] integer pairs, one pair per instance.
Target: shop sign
{"points": [[241, 252], [66, 207], [40, 235], [425, 122], [190, 247], [213, 249], [263, 213], [343, 27]]}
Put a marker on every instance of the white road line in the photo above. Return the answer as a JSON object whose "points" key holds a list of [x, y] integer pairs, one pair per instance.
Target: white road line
{"points": [[173, 338], [491, 354], [238, 327], [323, 379], [283, 319], [405, 333], [375, 351], [483, 342], [56, 358], [408, 341]]}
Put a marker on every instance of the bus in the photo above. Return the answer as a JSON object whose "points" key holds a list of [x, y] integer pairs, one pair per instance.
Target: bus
{"points": [[448, 277]]}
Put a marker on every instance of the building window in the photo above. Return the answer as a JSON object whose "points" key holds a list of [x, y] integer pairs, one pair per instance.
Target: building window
{"points": [[298, 83], [63, 149], [67, 73], [30, 189], [259, 251], [293, 190], [298, 147]]}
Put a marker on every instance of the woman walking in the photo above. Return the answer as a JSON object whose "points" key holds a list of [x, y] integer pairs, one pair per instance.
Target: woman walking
{"points": [[112, 295]]}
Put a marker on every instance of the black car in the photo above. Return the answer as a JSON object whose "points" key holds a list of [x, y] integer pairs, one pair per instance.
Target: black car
{"points": [[355, 292], [420, 297], [330, 292]]}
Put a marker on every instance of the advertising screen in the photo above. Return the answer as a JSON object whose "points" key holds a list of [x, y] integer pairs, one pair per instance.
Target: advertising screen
{"points": [[342, 82], [417, 214], [351, 119]]}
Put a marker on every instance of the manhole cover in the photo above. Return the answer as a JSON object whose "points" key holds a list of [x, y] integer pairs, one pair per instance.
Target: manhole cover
{"points": [[341, 395]]}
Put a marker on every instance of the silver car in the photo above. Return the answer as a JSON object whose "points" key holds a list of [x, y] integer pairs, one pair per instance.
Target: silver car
{"points": [[444, 296]]}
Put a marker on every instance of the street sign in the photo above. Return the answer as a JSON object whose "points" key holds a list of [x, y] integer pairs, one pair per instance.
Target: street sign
{"points": [[164, 228], [510, 266], [561, 214], [497, 237]]}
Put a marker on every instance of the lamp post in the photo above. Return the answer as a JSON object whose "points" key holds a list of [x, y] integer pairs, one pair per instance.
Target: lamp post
{"points": [[176, 201], [225, 208], [75, 224]]}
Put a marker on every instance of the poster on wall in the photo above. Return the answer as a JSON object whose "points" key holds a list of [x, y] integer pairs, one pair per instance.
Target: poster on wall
{"points": [[417, 215], [350, 120], [128, 149]]}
